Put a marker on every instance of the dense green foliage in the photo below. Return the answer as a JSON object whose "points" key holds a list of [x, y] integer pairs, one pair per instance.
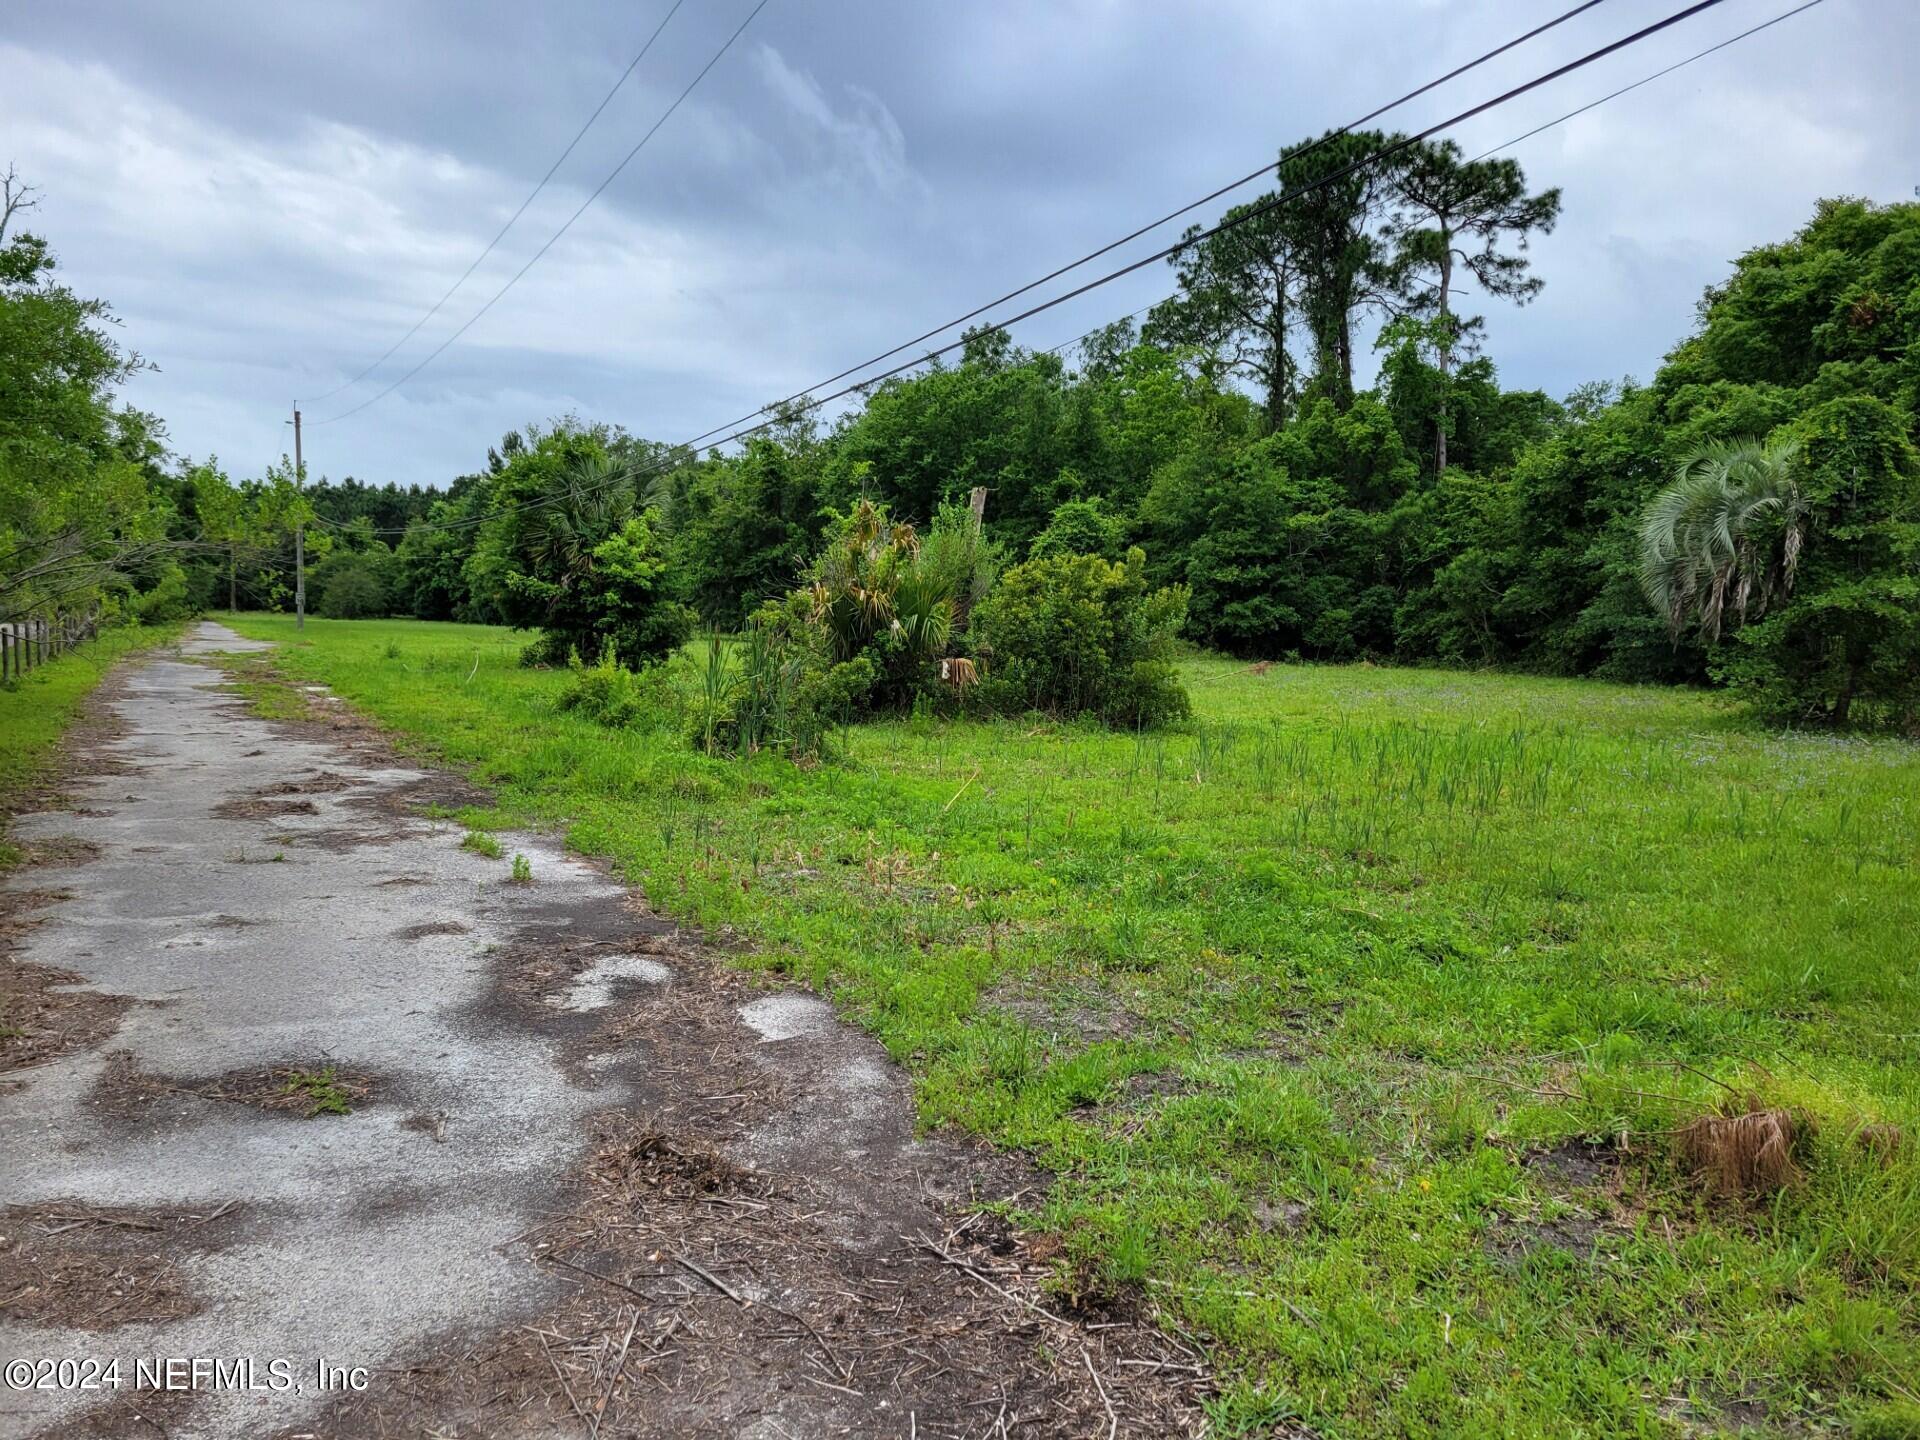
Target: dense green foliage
{"points": [[1433, 516], [1354, 1022], [84, 520], [565, 549], [1084, 636]]}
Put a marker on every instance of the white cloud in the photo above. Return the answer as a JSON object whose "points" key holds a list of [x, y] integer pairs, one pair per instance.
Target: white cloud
{"points": [[849, 175], [861, 144]]}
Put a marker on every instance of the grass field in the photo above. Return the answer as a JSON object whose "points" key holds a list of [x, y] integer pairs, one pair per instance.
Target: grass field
{"points": [[36, 710], [1357, 1020]]}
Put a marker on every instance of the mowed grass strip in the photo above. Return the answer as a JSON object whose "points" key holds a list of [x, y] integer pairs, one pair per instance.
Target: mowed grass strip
{"points": [[36, 710], [1358, 1021]]}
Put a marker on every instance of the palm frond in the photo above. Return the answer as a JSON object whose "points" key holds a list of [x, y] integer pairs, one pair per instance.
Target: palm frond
{"points": [[1698, 549]]}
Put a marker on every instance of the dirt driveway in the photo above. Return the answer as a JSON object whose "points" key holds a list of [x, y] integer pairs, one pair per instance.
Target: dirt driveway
{"points": [[315, 1086]]}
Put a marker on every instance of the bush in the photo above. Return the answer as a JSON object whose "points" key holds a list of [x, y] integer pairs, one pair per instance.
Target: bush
{"points": [[165, 600], [606, 692], [882, 593], [348, 585], [1844, 648], [1151, 695], [1081, 527], [785, 693], [1077, 635]]}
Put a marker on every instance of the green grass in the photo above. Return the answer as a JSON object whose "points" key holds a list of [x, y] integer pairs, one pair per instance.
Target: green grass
{"points": [[321, 1092], [36, 710], [1288, 999], [482, 843]]}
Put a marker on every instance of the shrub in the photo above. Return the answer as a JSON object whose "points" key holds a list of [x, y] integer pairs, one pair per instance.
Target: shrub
{"points": [[606, 692], [568, 550], [1081, 527], [785, 694], [349, 586], [1077, 635], [881, 593], [1150, 696], [165, 600], [959, 561], [1845, 647]]}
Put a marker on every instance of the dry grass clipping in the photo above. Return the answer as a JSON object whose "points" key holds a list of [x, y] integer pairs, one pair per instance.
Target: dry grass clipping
{"points": [[1750, 1151]]}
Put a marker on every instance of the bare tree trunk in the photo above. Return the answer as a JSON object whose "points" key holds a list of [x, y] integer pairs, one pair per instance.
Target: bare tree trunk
{"points": [[1843, 703], [233, 603], [1276, 376], [1346, 361], [1446, 354]]}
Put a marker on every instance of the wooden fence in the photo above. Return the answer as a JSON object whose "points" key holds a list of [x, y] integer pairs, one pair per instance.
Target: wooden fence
{"points": [[35, 640]]}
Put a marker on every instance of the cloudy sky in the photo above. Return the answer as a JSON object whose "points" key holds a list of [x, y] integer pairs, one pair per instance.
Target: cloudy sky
{"points": [[270, 195]]}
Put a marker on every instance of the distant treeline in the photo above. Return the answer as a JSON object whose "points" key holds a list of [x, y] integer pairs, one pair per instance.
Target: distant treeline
{"points": [[1750, 516]]}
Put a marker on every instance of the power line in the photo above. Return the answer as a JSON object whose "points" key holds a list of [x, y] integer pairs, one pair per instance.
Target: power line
{"points": [[1647, 80], [1092, 255], [532, 194], [1171, 215], [467, 274], [666, 115], [1254, 212], [1231, 222], [1528, 135]]}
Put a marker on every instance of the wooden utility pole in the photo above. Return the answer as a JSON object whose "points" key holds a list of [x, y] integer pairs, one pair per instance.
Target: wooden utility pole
{"points": [[299, 534]]}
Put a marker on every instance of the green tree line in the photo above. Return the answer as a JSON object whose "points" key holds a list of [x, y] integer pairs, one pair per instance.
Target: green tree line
{"points": [[1747, 517]]}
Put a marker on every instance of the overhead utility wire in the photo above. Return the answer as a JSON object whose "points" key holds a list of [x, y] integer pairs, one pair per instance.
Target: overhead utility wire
{"points": [[1093, 255], [1231, 185], [1528, 135], [1647, 80], [533, 194], [1262, 208], [1231, 222], [666, 115]]}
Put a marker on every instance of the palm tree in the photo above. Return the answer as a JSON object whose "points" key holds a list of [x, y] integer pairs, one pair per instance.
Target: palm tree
{"points": [[585, 505], [857, 577], [1727, 531]]}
